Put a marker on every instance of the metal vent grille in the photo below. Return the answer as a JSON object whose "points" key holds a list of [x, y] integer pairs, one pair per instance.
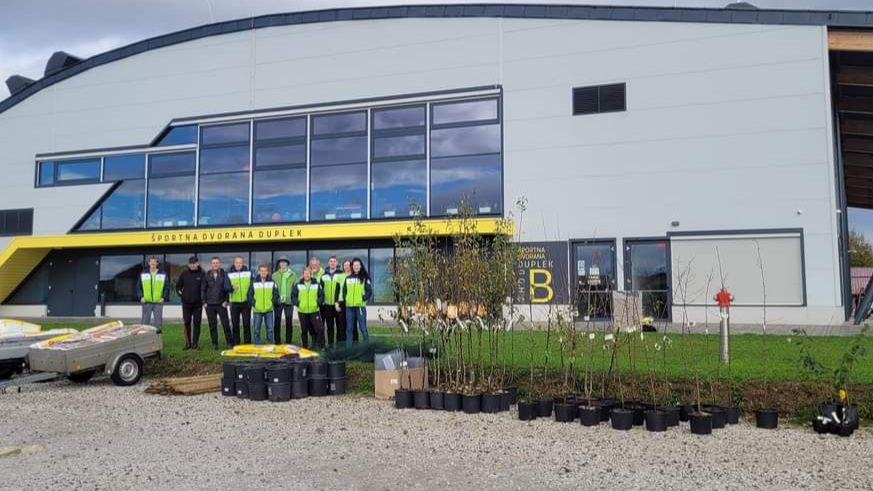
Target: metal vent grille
{"points": [[585, 100], [599, 99], [612, 98]]}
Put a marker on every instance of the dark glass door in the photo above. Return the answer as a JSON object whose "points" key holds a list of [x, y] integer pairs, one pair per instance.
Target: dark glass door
{"points": [[645, 266], [73, 286], [594, 266]]}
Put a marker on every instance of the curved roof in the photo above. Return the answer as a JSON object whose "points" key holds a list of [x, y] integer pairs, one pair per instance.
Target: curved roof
{"points": [[533, 11]]}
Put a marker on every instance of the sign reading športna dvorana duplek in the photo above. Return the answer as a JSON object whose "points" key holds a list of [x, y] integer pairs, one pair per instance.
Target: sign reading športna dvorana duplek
{"points": [[225, 235], [541, 272]]}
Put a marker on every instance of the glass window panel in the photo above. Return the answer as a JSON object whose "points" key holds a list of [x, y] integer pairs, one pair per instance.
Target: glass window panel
{"points": [[475, 180], [224, 159], [174, 264], [339, 192], [171, 202], [382, 275], [225, 258], [179, 135], [262, 257], [339, 123], [272, 129], [396, 185], [92, 222], [595, 277], [323, 256], [78, 170], [124, 167], [460, 112], [296, 260], [225, 133], [224, 199], [46, 173], [398, 146], [118, 276], [467, 140], [400, 117], [171, 163], [125, 207], [280, 196], [332, 151], [34, 290], [277, 155]]}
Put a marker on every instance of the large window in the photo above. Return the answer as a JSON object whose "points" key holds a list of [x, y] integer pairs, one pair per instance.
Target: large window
{"points": [[171, 190], [224, 174], [124, 208], [69, 172], [279, 192], [118, 275], [338, 174], [381, 274], [466, 163], [398, 176], [173, 265]]}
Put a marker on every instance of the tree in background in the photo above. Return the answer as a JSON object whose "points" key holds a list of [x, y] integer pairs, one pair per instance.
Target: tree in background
{"points": [[860, 250]]}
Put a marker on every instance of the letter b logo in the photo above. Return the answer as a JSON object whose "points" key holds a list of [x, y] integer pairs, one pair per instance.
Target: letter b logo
{"points": [[541, 291]]}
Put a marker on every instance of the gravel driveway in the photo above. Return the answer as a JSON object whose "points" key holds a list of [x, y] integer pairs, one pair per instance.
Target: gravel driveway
{"points": [[104, 437]]}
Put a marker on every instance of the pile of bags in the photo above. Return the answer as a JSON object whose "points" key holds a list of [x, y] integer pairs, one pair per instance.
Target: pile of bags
{"points": [[95, 335]]}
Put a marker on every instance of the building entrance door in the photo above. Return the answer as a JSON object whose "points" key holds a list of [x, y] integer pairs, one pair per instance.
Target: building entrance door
{"points": [[73, 285], [645, 270], [594, 264]]}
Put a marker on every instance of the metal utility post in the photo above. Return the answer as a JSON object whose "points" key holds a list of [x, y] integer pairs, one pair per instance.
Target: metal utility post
{"points": [[724, 299]]}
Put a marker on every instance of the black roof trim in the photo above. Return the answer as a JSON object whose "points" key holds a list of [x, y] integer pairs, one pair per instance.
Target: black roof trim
{"points": [[851, 19]]}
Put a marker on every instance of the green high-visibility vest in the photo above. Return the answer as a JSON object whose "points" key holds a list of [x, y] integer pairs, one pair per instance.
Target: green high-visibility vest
{"points": [[330, 282], [286, 282], [241, 280], [263, 296], [307, 297], [354, 293], [317, 274], [153, 286]]}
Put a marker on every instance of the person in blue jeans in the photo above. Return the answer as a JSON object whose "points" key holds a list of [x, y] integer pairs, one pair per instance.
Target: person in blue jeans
{"points": [[263, 295], [356, 291]]}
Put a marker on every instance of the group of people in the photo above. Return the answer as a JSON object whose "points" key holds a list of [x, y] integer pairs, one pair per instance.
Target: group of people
{"points": [[331, 303]]}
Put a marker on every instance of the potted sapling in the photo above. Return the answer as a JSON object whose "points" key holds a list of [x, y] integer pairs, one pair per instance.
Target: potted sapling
{"points": [[565, 405], [765, 417], [622, 418], [589, 412], [656, 419]]}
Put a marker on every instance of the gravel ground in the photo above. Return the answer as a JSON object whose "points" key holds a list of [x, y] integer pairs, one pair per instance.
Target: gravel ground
{"points": [[104, 437]]}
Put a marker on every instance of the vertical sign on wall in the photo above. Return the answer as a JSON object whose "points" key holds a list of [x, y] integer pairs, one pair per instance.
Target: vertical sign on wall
{"points": [[541, 273]]}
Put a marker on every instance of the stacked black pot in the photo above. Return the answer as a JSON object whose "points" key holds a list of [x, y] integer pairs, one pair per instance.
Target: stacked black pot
{"points": [[283, 380], [489, 402]]}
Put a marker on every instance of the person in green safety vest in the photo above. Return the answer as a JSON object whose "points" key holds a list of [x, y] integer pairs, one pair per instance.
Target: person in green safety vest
{"points": [[263, 296], [330, 282], [315, 267], [153, 289], [356, 291], [308, 297], [285, 280], [240, 278]]}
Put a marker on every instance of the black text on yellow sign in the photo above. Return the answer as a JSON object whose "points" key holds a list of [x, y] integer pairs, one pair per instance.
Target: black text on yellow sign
{"points": [[225, 235]]}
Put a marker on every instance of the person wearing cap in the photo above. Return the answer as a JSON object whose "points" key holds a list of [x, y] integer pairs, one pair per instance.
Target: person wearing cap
{"points": [[188, 287], [285, 279], [153, 289], [240, 278]]}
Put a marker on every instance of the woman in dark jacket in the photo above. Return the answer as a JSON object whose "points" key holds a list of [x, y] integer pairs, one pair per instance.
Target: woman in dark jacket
{"points": [[356, 291]]}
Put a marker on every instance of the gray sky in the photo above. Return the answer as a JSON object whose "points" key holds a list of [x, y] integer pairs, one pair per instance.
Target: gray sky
{"points": [[30, 31]]}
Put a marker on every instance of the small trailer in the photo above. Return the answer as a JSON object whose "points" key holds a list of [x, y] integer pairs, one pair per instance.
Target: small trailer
{"points": [[122, 359], [15, 347]]}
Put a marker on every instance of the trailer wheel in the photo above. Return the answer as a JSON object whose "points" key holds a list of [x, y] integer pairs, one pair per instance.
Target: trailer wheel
{"points": [[6, 372], [128, 371], [81, 377]]}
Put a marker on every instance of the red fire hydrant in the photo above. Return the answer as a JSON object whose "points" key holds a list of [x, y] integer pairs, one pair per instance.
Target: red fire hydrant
{"points": [[724, 298]]}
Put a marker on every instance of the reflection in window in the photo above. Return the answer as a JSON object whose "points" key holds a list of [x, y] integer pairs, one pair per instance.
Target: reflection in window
{"points": [[466, 140], [462, 112], [225, 258], [396, 185], [279, 155], [329, 124], [167, 164], [78, 170], [224, 174], [280, 196], [124, 167], [334, 151], [338, 192], [179, 135], [46, 173], [225, 133], [174, 264], [381, 274], [125, 207], [398, 146], [296, 260], [323, 256], [118, 275], [171, 202], [474, 180], [262, 257], [400, 117], [273, 129], [224, 199], [224, 159]]}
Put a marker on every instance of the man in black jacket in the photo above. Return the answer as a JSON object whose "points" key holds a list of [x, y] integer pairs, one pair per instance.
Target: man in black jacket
{"points": [[189, 288], [213, 293]]}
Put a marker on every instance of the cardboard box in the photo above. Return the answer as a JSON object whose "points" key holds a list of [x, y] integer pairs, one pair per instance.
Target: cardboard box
{"points": [[387, 381]]}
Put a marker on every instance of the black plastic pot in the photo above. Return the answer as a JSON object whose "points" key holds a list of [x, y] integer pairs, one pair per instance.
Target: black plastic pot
{"points": [[527, 410], [317, 387], [490, 403], [336, 386], [719, 417], [639, 413], [852, 415], [846, 430], [241, 388], [672, 415], [452, 401], [656, 420], [513, 393], [732, 414], [606, 406], [685, 409], [767, 419], [317, 369], [299, 388], [336, 369], [421, 399], [402, 399], [544, 408], [279, 373], [436, 399], [589, 415], [258, 392], [700, 423], [820, 426], [255, 374], [299, 370], [239, 370], [622, 419], [505, 401], [227, 387], [472, 403], [827, 409], [565, 412], [229, 369], [279, 392]]}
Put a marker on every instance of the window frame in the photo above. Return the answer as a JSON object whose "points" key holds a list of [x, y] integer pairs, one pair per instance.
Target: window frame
{"points": [[57, 164], [365, 208]]}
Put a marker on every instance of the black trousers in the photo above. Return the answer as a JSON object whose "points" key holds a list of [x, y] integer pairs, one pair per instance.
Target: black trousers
{"points": [[335, 331], [213, 312], [341, 323], [311, 324], [244, 310], [192, 316], [278, 310]]}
